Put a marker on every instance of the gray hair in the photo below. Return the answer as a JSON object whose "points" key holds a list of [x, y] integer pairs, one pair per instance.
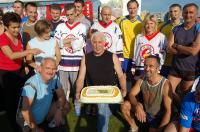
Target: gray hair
{"points": [[98, 34], [46, 59]]}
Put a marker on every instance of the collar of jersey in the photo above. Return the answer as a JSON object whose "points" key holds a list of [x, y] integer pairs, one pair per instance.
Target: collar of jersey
{"points": [[136, 18], [105, 25], [73, 26], [152, 36]]}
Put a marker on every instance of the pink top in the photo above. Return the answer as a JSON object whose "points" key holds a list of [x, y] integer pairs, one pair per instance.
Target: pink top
{"points": [[5, 62]]}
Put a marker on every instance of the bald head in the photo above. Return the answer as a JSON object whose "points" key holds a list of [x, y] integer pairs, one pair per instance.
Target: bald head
{"points": [[106, 8], [106, 14]]}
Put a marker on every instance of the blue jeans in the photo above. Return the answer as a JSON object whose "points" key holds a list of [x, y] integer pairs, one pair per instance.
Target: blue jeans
{"points": [[104, 114]]}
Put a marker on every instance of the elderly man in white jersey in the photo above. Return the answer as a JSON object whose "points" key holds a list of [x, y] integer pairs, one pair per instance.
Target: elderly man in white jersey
{"points": [[111, 31], [71, 38]]}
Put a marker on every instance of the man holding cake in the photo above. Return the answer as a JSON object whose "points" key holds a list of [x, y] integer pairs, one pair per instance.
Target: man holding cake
{"points": [[155, 93], [100, 68]]}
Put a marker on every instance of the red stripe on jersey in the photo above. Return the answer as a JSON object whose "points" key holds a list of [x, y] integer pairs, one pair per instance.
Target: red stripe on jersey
{"points": [[105, 25], [73, 26], [152, 36]]}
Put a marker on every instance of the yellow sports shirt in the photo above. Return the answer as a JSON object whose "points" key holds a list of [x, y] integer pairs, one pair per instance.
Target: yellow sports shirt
{"points": [[130, 29], [166, 28]]}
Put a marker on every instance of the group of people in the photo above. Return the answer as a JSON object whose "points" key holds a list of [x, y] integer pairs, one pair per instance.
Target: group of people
{"points": [[154, 64]]}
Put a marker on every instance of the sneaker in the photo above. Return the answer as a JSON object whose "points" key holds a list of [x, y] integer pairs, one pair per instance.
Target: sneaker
{"points": [[52, 124], [77, 107], [133, 130]]}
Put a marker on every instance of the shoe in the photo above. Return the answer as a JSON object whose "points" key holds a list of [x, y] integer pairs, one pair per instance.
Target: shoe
{"points": [[77, 107], [133, 130]]}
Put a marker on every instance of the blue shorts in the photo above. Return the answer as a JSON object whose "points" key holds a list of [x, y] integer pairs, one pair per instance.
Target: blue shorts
{"points": [[154, 122], [126, 65]]}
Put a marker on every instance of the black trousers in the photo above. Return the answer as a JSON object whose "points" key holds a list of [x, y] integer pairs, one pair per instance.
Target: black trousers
{"points": [[11, 83]]}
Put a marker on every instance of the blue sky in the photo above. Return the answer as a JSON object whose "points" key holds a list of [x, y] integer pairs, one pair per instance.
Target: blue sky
{"points": [[162, 5]]}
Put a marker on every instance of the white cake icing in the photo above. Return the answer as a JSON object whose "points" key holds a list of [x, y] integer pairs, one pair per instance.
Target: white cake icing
{"points": [[101, 94]]}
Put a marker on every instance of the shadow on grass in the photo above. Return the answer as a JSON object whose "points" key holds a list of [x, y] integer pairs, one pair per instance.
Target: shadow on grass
{"points": [[86, 122]]}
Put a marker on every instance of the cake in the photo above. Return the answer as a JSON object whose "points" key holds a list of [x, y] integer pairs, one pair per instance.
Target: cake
{"points": [[101, 94]]}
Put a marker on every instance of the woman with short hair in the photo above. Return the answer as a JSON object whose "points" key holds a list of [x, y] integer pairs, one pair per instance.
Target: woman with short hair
{"points": [[11, 60], [44, 42]]}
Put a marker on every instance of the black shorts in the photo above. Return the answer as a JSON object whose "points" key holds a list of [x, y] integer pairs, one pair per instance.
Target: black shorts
{"points": [[185, 75]]}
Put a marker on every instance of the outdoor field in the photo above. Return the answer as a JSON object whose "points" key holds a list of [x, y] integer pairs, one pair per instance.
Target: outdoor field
{"points": [[84, 123]]}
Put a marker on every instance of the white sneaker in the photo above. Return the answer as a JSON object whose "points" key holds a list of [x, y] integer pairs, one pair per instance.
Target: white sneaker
{"points": [[133, 130]]}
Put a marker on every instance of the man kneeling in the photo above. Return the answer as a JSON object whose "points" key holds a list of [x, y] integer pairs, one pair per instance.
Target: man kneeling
{"points": [[156, 96], [36, 109]]}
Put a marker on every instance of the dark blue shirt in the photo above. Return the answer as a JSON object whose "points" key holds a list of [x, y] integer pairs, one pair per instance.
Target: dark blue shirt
{"points": [[186, 38]]}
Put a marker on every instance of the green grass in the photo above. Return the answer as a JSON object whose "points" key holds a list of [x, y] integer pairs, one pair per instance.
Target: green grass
{"points": [[84, 123], [88, 123]]}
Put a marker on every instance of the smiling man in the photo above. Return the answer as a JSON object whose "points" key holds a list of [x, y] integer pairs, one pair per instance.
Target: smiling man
{"points": [[79, 5], [100, 68], [175, 11], [111, 31], [71, 38], [55, 11], [130, 26], [37, 107], [28, 31], [154, 106], [184, 44]]}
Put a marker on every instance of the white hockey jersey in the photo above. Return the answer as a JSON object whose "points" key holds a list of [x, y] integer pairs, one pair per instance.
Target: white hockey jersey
{"points": [[113, 35], [71, 56], [146, 45]]}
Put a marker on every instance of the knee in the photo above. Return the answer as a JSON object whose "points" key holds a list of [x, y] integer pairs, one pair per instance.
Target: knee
{"points": [[126, 107], [171, 127]]}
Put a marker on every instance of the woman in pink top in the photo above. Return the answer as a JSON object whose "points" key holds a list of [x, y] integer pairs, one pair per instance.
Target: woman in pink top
{"points": [[11, 59]]}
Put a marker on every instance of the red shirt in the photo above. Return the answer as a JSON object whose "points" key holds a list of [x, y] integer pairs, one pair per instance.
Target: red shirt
{"points": [[5, 62]]}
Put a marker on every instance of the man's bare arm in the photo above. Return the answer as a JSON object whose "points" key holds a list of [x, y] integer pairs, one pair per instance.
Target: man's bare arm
{"points": [[81, 78], [190, 50], [170, 47], [137, 106], [134, 92], [27, 114], [167, 101], [61, 99], [120, 75]]}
